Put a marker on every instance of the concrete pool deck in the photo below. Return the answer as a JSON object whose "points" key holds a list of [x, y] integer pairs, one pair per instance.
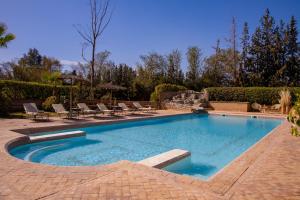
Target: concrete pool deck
{"points": [[268, 170]]}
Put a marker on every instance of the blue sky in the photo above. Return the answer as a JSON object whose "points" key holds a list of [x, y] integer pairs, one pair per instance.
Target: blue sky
{"points": [[137, 27]]}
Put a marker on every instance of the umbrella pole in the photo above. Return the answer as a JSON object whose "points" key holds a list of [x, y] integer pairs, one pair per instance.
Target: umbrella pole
{"points": [[71, 94], [110, 98]]}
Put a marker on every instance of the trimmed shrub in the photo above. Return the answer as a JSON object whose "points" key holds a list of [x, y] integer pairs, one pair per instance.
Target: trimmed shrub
{"points": [[5, 101], [19, 90], [261, 95]]}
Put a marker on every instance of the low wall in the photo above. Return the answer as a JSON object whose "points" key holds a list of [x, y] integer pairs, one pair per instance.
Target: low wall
{"points": [[230, 106]]}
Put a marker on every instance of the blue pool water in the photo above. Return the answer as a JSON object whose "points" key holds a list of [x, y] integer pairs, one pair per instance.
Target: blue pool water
{"points": [[213, 141]]}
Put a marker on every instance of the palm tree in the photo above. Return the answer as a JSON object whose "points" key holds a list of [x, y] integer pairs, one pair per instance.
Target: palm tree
{"points": [[5, 37]]}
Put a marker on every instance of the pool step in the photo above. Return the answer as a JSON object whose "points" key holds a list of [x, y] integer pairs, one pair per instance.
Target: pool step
{"points": [[164, 159], [56, 136]]}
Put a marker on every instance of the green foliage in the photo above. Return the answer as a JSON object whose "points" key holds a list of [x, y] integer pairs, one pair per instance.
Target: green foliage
{"points": [[155, 96], [33, 67], [219, 69], [106, 97], [32, 58], [261, 95], [47, 104], [273, 58], [297, 104], [295, 132], [5, 37], [195, 62], [294, 116], [174, 73], [32, 90], [51, 77], [5, 101]]}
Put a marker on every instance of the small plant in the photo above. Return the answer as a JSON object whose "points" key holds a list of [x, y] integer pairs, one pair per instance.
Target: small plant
{"points": [[295, 131], [206, 95], [285, 100], [47, 104], [294, 117]]}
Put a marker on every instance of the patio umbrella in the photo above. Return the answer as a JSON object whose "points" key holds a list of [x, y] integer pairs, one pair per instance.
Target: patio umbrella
{"points": [[72, 79], [110, 86]]}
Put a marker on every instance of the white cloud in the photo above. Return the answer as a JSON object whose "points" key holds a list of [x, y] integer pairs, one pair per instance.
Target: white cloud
{"points": [[69, 62]]}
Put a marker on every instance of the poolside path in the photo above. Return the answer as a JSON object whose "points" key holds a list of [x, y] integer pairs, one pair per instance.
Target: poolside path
{"points": [[269, 170]]}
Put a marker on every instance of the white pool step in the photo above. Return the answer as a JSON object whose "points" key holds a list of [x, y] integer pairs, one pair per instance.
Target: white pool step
{"points": [[56, 136], [164, 159]]}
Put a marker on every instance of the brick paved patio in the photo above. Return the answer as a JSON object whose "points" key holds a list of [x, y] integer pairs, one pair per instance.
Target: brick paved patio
{"points": [[268, 170]]}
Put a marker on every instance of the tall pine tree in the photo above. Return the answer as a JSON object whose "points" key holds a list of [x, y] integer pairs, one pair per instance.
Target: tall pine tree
{"points": [[292, 57], [262, 67]]}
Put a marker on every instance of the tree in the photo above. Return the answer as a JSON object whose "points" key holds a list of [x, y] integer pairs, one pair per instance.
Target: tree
{"points": [[6, 71], [174, 73], [51, 64], [233, 46], [211, 73], [124, 75], [35, 67], [102, 64], [151, 72], [279, 56], [32, 59], [262, 69], [218, 69], [293, 62], [245, 43], [5, 38], [99, 20], [195, 62]]}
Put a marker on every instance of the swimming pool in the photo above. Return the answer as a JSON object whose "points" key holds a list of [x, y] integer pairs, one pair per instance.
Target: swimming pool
{"points": [[213, 141]]}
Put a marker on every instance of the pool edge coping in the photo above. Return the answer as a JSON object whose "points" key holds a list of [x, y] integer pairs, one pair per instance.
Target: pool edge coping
{"points": [[22, 137]]}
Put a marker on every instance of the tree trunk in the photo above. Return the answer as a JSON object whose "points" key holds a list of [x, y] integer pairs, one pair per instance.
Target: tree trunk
{"points": [[92, 71]]}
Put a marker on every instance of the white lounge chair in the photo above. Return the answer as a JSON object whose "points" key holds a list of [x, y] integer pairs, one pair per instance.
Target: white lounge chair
{"points": [[102, 107], [34, 113], [125, 108], [60, 110], [85, 109], [141, 108]]}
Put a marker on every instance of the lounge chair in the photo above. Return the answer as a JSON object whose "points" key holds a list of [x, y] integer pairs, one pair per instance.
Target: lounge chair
{"points": [[60, 110], [102, 107], [125, 108], [85, 109], [141, 108], [34, 113]]}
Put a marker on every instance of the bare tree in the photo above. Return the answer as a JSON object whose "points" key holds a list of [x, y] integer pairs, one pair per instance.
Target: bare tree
{"points": [[233, 45], [100, 16]]}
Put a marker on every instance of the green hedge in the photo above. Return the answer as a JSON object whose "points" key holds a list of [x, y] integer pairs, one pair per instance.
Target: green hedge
{"points": [[261, 95], [165, 88], [18, 90]]}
